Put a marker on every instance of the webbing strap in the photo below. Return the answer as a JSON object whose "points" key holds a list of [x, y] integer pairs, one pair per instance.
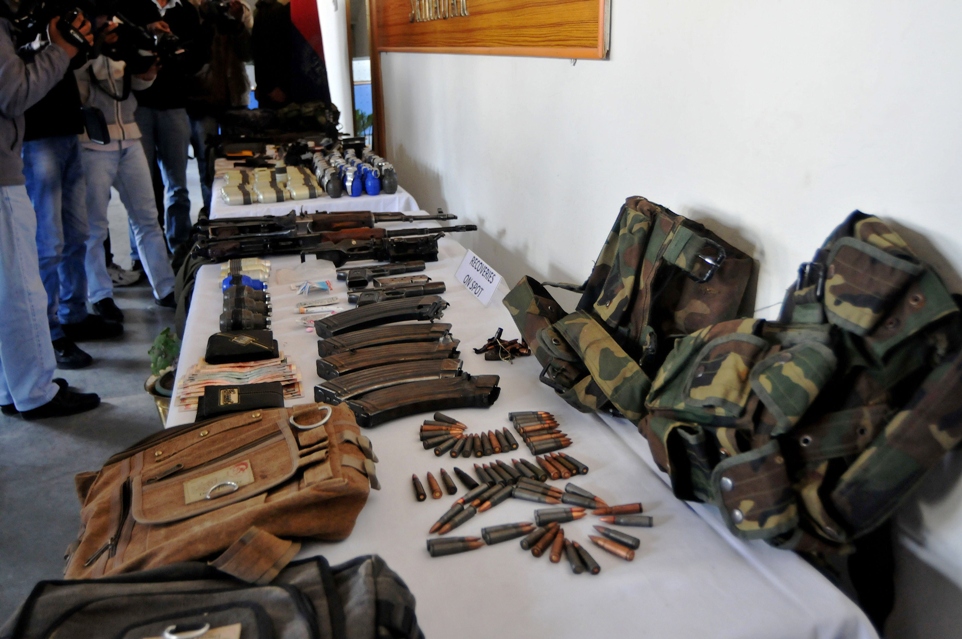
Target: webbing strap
{"points": [[363, 466], [257, 556], [686, 250]]}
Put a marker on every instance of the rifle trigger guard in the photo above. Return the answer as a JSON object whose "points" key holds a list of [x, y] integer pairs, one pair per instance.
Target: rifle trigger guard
{"points": [[327, 416], [714, 262]]}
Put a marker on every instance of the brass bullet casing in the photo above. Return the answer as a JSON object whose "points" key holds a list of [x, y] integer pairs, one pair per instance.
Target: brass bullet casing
{"points": [[465, 478], [526, 472], [478, 448], [577, 566], [526, 412], [578, 490], [512, 442], [474, 493], [495, 444], [533, 537], [434, 487], [539, 472], [561, 470], [441, 428], [560, 515], [533, 429], [577, 500], [590, 564], [613, 547], [452, 546], [620, 509], [620, 537], [486, 446], [496, 499], [487, 494], [458, 519], [527, 495], [508, 468], [446, 517], [500, 473], [418, 488], [564, 463], [502, 441], [441, 417], [546, 540], [436, 441], [446, 446], [582, 469], [505, 532], [549, 446], [641, 521], [557, 546], [543, 437], [459, 447], [548, 468], [449, 486]]}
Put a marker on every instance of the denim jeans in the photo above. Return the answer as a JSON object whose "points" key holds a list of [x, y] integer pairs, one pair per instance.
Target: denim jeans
{"points": [[200, 128], [165, 134], [127, 171], [55, 184], [27, 361]]}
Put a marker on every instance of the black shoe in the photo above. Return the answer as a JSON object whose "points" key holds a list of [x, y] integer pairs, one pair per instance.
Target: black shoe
{"points": [[106, 309], [167, 302], [10, 409], [65, 402], [93, 327], [69, 356]]}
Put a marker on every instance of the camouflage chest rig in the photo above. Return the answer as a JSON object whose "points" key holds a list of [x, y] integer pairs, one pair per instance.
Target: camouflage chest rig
{"points": [[808, 432], [659, 276]]}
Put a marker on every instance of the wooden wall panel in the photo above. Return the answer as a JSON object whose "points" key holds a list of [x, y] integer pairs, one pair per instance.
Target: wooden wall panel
{"points": [[544, 28]]}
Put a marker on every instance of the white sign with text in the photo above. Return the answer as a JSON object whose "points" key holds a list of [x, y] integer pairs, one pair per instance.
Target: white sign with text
{"points": [[479, 278]]}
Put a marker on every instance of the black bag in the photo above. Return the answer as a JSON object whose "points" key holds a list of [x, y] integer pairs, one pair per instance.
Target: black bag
{"points": [[359, 599], [240, 346], [221, 400]]}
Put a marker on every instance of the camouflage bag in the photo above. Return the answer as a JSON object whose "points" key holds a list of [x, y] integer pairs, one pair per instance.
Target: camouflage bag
{"points": [[659, 276], [808, 432]]}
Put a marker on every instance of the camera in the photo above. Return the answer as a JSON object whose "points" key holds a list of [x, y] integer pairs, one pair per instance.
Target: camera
{"points": [[139, 49], [33, 17]]}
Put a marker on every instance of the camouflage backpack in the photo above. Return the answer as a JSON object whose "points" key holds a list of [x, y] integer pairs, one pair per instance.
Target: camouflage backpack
{"points": [[808, 432], [659, 276]]}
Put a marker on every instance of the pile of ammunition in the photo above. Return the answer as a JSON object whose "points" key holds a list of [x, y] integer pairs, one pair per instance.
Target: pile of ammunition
{"points": [[504, 350], [539, 430], [447, 435], [433, 485]]}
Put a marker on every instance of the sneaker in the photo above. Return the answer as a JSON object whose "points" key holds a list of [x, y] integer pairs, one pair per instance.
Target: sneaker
{"points": [[93, 327], [107, 310], [120, 277], [167, 302], [69, 355], [136, 266], [65, 402], [10, 409]]}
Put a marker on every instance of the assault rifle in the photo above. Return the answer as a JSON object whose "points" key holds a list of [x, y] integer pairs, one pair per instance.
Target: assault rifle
{"points": [[373, 296], [310, 223]]}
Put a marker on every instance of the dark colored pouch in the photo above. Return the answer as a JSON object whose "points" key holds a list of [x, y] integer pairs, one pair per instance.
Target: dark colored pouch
{"points": [[221, 400], [240, 346]]}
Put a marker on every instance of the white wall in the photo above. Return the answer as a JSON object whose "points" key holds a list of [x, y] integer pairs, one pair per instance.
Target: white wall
{"points": [[767, 120]]}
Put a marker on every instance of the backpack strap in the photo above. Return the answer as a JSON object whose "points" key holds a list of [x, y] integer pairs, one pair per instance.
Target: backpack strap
{"points": [[257, 556]]}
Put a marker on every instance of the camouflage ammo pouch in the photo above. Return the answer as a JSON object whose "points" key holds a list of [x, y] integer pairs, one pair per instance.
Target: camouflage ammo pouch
{"points": [[659, 276], [359, 599], [808, 432], [233, 486]]}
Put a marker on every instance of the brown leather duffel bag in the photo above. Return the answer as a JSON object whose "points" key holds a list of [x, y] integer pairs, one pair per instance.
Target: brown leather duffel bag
{"points": [[233, 485]]}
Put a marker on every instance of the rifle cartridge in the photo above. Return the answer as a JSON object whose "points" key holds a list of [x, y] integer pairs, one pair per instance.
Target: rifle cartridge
{"points": [[526, 472], [487, 494], [620, 509], [457, 520], [528, 495], [419, 493], [536, 428], [503, 477], [486, 446], [505, 532], [534, 439], [434, 487], [526, 412], [459, 447], [622, 538], [447, 419], [641, 521], [539, 472], [560, 515], [436, 441], [551, 530], [557, 546], [578, 490], [558, 459], [590, 564], [449, 486], [582, 469], [549, 446], [577, 500], [538, 487], [512, 442], [502, 442], [453, 546], [433, 428], [613, 547], [473, 494], [482, 474], [478, 448], [447, 445], [574, 560], [549, 468], [495, 444], [532, 538], [496, 499], [508, 468], [563, 472], [446, 517], [468, 447], [465, 478]]}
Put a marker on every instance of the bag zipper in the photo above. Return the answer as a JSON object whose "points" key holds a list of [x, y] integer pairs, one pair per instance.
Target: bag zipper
{"points": [[110, 547], [171, 472]]}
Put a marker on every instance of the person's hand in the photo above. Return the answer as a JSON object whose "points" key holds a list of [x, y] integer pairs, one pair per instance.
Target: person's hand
{"points": [[158, 27], [80, 23], [236, 9], [110, 37]]}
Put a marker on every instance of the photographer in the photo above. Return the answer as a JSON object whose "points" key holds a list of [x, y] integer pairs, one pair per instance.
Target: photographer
{"points": [[27, 359], [106, 84]]}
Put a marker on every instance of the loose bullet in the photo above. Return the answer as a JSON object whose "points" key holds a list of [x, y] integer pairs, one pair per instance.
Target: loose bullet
{"points": [[486, 446], [538, 487], [511, 440], [544, 437], [446, 446], [441, 417], [577, 566], [495, 444], [578, 490], [505, 532], [449, 486], [486, 495], [560, 515], [558, 459], [496, 499], [539, 498], [500, 473], [577, 500], [502, 441], [582, 469], [620, 509], [538, 471], [526, 412], [533, 537], [418, 488], [458, 519], [613, 547], [483, 476], [620, 537], [548, 468], [512, 473], [549, 446], [459, 447], [442, 547], [441, 428], [423, 437], [586, 557], [478, 448], [546, 540], [557, 546], [465, 478], [524, 470], [446, 517], [436, 441], [560, 471], [535, 428], [474, 493], [435, 422], [434, 487], [642, 521]]}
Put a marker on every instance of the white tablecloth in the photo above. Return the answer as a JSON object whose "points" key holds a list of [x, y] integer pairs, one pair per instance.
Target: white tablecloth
{"points": [[690, 577], [400, 201]]}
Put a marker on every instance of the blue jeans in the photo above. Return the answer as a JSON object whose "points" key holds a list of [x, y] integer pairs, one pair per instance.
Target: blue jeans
{"points": [[27, 361], [165, 134], [200, 128], [127, 171], [55, 184]]}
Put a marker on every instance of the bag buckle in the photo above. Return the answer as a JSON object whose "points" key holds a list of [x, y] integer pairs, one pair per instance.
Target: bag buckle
{"points": [[714, 262], [810, 273], [551, 380]]}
